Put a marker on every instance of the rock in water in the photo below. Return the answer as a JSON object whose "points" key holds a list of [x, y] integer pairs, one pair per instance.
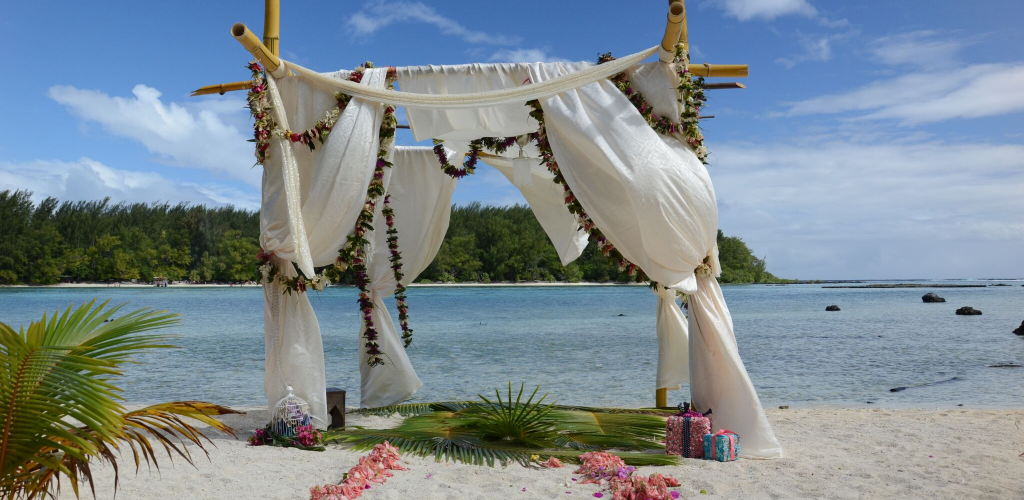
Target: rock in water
{"points": [[931, 297], [832, 307], [1020, 329], [968, 311]]}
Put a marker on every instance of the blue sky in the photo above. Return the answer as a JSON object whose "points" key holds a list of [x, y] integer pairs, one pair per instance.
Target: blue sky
{"points": [[876, 139]]}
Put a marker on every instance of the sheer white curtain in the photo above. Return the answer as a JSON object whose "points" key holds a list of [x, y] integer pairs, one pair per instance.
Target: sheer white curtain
{"points": [[421, 196]]}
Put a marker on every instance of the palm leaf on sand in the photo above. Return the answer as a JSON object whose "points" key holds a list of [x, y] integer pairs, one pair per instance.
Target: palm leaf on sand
{"points": [[59, 407]]}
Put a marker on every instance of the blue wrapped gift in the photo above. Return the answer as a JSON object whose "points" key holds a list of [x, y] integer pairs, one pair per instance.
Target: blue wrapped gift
{"points": [[723, 446]]}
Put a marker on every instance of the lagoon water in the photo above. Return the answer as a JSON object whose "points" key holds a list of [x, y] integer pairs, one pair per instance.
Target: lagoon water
{"points": [[596, 345]]}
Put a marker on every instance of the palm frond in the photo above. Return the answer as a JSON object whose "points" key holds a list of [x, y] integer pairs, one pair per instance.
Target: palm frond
{"points": [[411, 409], [60, 370]]}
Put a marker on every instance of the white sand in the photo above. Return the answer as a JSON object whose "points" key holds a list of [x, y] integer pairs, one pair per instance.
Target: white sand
{"points": [[830, 453]]}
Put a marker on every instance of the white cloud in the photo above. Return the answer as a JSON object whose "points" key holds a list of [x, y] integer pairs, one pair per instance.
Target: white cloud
{"points": [[745, 10], [816, 48], [918, 48], [88, 179], [928, 96], [523, 56], [839, 208], [378, 15], [204, 135]]}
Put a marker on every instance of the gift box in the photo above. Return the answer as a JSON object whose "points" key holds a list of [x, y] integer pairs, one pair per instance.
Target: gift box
{"points": [[684, 433], [723, 446]]}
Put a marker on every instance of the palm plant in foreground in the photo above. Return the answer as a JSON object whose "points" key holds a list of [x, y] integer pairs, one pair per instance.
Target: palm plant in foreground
{"points": [[512, 431], [59, 408], [515, 422]]}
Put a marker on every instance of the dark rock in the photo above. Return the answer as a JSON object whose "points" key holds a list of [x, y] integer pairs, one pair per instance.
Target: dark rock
{"points": [[1020, 329], [931, 297], [1000, 284], [832, 307], [897, 389], [784, 407], [621, 314], [968, 311]]}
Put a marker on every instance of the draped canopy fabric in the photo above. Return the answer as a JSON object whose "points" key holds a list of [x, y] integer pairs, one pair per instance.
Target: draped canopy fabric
{"points": [[649, 194]]}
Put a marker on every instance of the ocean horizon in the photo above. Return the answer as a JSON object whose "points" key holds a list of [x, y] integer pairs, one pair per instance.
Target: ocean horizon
{"points": [[596, 345]]}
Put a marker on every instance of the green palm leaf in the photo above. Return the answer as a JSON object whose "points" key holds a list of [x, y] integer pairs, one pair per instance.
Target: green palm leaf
{"points": [[59, 371]]}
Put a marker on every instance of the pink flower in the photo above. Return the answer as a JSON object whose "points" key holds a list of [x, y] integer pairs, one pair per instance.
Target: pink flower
{"points": [[552, 463]]}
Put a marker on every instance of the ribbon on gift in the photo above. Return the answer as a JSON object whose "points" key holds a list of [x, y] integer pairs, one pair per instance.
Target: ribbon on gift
{"points": [[686, 411], [732, 443]]}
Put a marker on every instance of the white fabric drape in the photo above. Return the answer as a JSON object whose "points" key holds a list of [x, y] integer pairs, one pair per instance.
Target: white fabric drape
{"points": [[648, 194], [546, 201], [718, 379], [310, 204], [420, 195], [477, 99], [673, 344], [293, 348]]}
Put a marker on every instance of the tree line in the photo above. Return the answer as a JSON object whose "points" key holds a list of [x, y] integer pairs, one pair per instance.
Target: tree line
{"points": [[96, 241]]}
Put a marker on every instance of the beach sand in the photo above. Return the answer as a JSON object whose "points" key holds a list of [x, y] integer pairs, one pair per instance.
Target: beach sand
{"points": [[830, 453]]}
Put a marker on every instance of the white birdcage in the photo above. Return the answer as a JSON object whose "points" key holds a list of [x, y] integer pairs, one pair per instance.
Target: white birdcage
{"points": [[289, 413]]}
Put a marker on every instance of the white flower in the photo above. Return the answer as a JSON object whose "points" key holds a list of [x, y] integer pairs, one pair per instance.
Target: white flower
{"points": [[265, 270]]}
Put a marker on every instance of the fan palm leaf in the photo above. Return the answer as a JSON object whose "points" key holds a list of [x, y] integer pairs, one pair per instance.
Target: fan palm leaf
{"points": [[59, 407]]}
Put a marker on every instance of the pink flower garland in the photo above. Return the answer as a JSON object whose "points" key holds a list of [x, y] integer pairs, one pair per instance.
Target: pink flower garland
{"points": [[353, 253], [606, 469], [371, 469], [691, 97], [496, 144], [396, 267]]}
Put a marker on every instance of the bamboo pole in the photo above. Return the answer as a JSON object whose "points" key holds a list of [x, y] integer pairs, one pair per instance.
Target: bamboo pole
{"points": [[684, 36], [719, 70], [222, 88], [661, 398], [272, 25], [255, 47], [673, 28]]}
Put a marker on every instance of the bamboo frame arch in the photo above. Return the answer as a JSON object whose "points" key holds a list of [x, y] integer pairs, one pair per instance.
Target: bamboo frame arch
{"points": [[267, 52]]}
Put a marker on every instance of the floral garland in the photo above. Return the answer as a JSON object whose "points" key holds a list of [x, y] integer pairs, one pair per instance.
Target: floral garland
{"points": [[606, 469], [371, 469], [259, 107], [396, 266], [573, 204], [306, 438], [298, 284], [496, 144], [691, 96], [353, 252]]}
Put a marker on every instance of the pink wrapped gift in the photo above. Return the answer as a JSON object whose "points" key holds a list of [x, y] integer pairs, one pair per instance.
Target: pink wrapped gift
{"points": [[684, 433]]}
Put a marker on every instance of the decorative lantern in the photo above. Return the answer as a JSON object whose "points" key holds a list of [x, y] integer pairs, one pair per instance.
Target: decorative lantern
{"points": [[289, 413], [522, 166]]}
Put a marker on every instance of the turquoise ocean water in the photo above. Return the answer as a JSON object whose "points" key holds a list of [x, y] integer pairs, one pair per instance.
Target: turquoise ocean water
{"points": [[574, 343]]}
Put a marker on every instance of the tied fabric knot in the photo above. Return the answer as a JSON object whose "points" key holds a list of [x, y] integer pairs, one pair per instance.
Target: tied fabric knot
{"points": [[704, 268]]}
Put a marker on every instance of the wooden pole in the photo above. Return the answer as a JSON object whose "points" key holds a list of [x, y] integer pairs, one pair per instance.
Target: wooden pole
{"points": [[661, 398], [272, 25], [255, 47]]}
